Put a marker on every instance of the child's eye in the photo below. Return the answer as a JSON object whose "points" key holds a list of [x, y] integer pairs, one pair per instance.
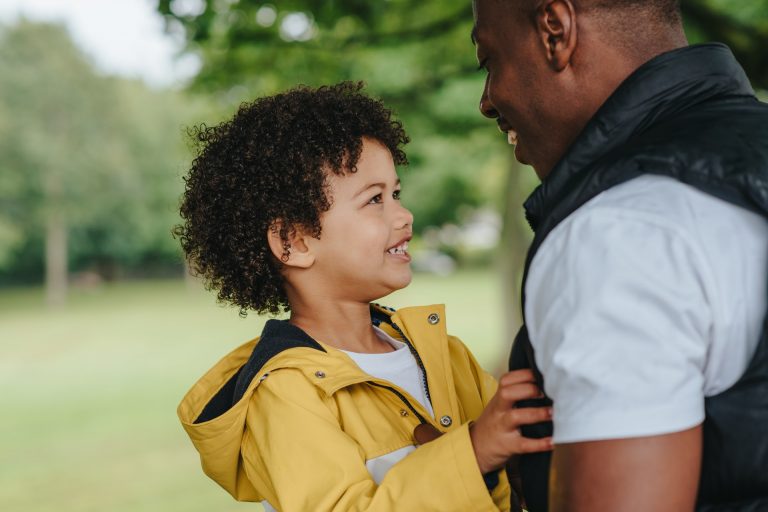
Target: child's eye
{"points": [[396, 195], [375, 199]]}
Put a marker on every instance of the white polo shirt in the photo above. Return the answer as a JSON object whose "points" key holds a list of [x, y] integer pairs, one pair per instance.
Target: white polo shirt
{"points": [[645, 300]]}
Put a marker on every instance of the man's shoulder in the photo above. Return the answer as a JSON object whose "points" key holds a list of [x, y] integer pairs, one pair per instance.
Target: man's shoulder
{"points": [[661, 200], [719, 147], [657, 223]]}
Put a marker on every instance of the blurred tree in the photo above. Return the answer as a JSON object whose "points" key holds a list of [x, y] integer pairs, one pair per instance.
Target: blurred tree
{"points": [[51, 141], [418, 58], [129, 226], [741, 24], [89, 165]]}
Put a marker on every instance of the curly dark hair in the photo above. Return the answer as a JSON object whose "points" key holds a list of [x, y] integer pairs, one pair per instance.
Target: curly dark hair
{"points": [[270, 163]]}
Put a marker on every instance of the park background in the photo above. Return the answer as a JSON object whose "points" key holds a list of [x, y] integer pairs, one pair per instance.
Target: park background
{"points": [[102, 330]]}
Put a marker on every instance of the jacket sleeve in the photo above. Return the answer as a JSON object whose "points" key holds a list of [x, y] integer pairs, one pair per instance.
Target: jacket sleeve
{"points": [[297, 455], [485, 385]]}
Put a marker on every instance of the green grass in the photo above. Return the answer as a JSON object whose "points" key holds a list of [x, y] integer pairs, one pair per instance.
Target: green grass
{"points": [[90, 391]]}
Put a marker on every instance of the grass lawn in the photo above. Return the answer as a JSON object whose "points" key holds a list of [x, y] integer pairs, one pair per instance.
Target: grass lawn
{"points": [[90, 391]]}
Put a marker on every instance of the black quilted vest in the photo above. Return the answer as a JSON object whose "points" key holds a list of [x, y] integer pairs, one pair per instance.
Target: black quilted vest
{"points": [[689, 114]]}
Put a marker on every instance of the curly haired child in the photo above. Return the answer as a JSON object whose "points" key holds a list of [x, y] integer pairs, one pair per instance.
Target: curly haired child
{"points": [[293, 205]]}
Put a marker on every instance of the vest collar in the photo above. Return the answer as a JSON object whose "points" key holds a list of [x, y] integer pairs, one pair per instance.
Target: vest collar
{"points": [[659, 89]]}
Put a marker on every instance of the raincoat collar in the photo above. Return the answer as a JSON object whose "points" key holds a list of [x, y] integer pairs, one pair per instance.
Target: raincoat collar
{"points": [[277, 337]]}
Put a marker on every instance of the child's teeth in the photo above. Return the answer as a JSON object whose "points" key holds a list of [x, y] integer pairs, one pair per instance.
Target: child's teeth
{"points": [[400, 249], [512, 137]]}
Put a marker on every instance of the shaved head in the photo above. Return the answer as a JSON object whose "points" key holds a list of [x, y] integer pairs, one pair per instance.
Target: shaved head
{"points": [[550, 64], [668, 10], [662, 11], [658, 11], [626, 22], [629, 23]]}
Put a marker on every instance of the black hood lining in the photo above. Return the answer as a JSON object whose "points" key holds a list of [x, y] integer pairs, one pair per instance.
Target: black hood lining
{"points": [[276, 337]]}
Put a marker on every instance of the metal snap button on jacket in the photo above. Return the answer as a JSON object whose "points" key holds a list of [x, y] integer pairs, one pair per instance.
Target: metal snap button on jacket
{"points": [[320, 374], [433, 318], [446, 421], [403, 413]]}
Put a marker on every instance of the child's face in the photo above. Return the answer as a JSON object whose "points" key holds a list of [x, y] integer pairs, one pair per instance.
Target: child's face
{"points": [[362, 251]]}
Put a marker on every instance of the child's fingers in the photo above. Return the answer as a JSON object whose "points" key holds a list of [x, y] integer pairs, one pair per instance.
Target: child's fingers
{"points": [[528, 415], [517, 377], [530, 445], [514, 393]]}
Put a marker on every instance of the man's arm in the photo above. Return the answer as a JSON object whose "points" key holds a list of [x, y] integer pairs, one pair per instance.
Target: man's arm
{"points": [[658, 473]]}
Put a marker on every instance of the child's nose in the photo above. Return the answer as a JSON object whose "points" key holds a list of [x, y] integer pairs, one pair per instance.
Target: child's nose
{"points": [[404, 217]]}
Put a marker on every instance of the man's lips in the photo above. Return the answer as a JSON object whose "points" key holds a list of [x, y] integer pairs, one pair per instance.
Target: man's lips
{"points": [[511, 134]]}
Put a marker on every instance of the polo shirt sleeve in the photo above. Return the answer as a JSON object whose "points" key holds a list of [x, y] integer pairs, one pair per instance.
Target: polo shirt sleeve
{"points": [[618, 314]]}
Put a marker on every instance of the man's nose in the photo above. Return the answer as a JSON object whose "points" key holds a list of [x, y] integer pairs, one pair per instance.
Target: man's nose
{"points": [[486, 107]]}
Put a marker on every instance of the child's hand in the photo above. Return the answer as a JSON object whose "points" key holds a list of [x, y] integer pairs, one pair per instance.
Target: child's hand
{"points": [[496, 435]]}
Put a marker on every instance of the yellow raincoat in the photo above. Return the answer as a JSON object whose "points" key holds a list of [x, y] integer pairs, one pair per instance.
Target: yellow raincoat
{"points": [[293, 422]]}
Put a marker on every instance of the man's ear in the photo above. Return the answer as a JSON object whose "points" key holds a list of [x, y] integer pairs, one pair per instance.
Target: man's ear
{"points": [[292, 251], [556, 25]]}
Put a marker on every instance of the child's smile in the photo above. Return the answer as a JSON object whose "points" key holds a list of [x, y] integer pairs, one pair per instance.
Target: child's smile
{"points": [[401, 250]]}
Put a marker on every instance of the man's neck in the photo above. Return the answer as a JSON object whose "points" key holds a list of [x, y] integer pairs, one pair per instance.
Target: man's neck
{"points": [[598, 80]]}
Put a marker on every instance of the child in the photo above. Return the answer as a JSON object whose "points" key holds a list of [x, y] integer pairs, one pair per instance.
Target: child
{"points": [[294, 205]]}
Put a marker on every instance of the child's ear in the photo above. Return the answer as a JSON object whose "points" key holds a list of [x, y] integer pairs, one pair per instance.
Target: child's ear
{"points": [[293, 252]]}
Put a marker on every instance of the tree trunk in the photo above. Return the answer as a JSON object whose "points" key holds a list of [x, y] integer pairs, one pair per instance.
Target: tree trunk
{"points": [[515, 239], [55, 240], [55, 260]]}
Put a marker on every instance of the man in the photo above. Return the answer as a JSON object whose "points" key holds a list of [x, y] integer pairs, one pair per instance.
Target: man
{"points": [[644, 294]]}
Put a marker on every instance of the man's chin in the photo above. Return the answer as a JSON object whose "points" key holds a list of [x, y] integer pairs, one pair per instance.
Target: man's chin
{"points": [[520, 155], [524, 158]]}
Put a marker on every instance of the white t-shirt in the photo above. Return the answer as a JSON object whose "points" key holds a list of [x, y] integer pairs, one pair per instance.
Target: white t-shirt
{"points": [[400, 368], [645, 300]]}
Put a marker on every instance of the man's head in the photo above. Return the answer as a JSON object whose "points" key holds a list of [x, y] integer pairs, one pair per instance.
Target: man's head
{"points": [[266, 177], [550, 64]]}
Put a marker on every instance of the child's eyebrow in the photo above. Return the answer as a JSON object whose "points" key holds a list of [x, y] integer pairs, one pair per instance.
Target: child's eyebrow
{"points": [[372, 185]]}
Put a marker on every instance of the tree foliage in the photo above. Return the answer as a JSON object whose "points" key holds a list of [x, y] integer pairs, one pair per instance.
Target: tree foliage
{"points": [[417, 56], [93, 158], [741, 24]]}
